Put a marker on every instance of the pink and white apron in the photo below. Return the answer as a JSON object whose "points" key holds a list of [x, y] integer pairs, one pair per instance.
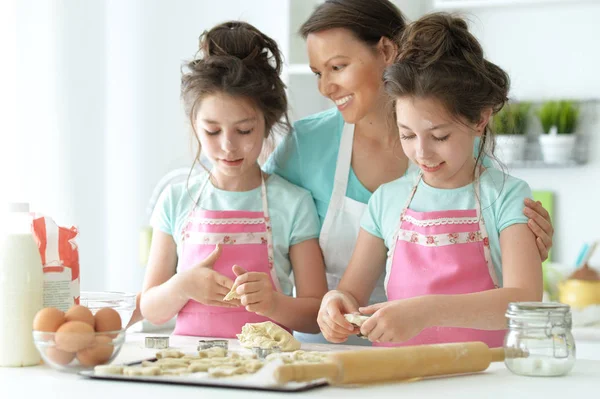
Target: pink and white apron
{"points": [[247, 241], [442, 253]]}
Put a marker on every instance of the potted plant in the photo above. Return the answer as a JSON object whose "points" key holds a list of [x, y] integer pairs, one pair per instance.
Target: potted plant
{"points": [[559, 121], [510, 126]]}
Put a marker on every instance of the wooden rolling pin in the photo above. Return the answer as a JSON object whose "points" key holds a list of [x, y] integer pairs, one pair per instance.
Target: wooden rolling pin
{"points": [[396, 364]]}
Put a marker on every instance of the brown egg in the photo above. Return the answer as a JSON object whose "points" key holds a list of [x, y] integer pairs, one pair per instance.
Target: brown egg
{"points": [[74, 336], [80, 313], [48, 320], [60, 357], [108, 319], [97, 354]]}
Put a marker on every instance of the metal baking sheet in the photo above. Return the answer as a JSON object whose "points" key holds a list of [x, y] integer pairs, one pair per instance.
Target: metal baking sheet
{"points": [[258, 381]]}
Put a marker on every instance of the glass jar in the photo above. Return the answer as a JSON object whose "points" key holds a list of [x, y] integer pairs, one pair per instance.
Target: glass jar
{"points": [[539, 340]]}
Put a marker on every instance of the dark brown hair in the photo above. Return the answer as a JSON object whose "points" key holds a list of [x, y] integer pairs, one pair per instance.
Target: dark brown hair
{"points": [[237, 59], [369, 20], [439, 58]]}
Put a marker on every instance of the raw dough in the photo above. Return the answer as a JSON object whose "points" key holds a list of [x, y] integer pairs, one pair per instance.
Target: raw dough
{"points": [[267, 335], [169, 353], [299, 357], [178, 371], [232, 294], [144, 371], [215, 351], [108, 369], [356, 319], [226, 371]]}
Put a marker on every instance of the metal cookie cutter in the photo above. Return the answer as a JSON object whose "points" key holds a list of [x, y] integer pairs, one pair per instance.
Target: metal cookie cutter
{"points": [[262, 353], [157, 342], [206, 344]]}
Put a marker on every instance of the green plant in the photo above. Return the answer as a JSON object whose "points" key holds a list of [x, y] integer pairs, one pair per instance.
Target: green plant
{"points": [[512, 119], [562, 114]]}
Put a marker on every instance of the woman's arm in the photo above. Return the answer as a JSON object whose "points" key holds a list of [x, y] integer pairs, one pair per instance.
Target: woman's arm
{"points": [[300, 313], [358, 281], [401, 320]]}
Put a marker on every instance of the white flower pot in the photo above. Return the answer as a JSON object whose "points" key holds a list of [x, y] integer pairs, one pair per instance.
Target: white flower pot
{"points": [[557, 148], [510, 147]]}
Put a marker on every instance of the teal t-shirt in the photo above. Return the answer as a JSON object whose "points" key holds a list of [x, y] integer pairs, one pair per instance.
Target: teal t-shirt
{"points": [[308, 158], [293, 214], [502, 199]]}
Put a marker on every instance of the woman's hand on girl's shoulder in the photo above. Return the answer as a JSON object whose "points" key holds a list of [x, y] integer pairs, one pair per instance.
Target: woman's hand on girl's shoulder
{"points": [[541, 225]]}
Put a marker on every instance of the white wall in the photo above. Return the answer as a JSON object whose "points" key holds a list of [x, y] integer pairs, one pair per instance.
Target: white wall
{"points": [[551, 51], [98, 115]]}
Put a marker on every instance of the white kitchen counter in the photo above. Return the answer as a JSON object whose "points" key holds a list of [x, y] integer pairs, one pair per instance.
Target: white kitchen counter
{"points": [[497, 382]]}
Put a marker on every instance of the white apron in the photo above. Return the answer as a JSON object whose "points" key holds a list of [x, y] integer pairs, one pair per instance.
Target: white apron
{"points": [[340, 231]]}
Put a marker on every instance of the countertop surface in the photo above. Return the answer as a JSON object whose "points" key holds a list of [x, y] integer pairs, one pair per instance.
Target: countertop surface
{"points": [[496, 382]]}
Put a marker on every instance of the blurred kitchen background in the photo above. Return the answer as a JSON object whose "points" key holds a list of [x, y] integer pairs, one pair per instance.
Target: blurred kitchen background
{"points": [[92, 119]]}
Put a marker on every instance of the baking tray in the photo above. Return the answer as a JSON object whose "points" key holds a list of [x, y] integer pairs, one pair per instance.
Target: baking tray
{"points": [[261, 380]]}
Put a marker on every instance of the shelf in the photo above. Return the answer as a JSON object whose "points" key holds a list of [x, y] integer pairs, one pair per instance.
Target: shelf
{"points": [[299, 69], [462, 4], [540, 164]]}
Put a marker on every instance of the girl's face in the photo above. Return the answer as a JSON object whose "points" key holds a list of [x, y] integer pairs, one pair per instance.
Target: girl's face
{"points": [[438, 143], [231, 131], [349, 71]]}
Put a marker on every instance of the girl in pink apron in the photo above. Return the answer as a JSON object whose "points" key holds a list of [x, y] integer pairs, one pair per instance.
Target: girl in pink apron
{"points": [[233, 231], [458, 248]]}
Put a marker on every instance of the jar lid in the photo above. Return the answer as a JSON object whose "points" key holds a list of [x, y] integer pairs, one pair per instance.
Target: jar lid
{"points": [[541, 310]]}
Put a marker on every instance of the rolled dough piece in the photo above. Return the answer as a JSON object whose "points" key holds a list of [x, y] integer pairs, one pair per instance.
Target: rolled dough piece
{"points": [[356, 319], [267, 335], [108, 369], [169, 353], [226, 371], [142, 371]]}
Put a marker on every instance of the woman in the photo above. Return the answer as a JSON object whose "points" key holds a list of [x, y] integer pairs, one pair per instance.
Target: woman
{"points": [[344, 154]]}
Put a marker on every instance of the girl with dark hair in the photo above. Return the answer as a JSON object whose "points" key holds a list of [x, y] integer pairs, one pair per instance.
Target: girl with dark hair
{"points": [[344, 154], [457, 244], [225, 243]]}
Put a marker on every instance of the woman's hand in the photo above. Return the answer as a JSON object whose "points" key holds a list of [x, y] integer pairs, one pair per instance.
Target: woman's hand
{"points": [[206, 286], [395, 321], [331, 320], [256, 291], [541, 225]]}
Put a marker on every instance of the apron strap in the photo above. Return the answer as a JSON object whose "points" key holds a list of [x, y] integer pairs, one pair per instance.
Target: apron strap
{"points": [[340, 181], [269, 232]]}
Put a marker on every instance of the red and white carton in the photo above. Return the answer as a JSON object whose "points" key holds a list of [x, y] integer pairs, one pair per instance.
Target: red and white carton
{"points": [[60, 260]]}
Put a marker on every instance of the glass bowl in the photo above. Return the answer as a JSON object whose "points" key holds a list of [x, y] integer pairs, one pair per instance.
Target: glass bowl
{"points": [[122, 302], [74, 352]]}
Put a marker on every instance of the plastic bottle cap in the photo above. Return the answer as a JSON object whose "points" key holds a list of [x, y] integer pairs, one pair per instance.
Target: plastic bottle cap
{"points": [[17, 207]]}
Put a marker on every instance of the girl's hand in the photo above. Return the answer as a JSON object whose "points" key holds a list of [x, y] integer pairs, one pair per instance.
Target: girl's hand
{"points": [[255, 290], [541, 225], [395, 321], [206, 286], [333, 325]]}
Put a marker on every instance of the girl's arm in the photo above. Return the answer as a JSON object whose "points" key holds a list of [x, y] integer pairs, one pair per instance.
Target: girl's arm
{"points": [[359, 280], [159, 281], [165, 292], [300, 313], [522, 275], [522, 271]]}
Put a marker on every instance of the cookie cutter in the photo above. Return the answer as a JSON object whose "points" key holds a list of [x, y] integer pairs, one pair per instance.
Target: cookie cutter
{"points": [[211, 343], [157, 342], [262, 353]]}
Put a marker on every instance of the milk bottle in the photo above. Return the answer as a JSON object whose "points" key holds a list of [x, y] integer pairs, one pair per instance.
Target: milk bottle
{"points": [[21, 286]]}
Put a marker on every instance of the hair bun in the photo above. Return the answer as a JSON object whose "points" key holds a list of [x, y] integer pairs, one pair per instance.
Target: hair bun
{"points": [[243, 41], [436, 38]]}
